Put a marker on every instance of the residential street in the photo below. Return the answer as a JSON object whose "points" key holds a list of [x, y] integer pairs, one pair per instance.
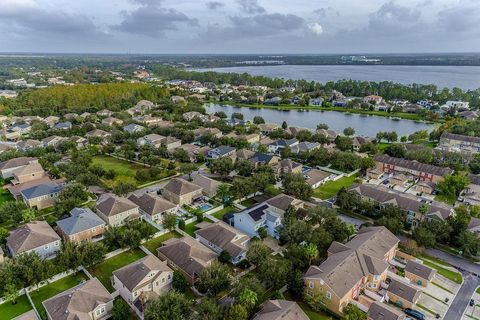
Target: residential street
{"points": [[471, 281]]}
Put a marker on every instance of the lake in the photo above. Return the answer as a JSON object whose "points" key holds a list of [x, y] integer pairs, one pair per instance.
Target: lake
{"points": [[464, 77], [364, 125]]}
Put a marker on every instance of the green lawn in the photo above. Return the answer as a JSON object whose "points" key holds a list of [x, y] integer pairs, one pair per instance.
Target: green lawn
{"points": [[331, 188], [449, 274], [444, 198], [190, 228], [103, 271], [219, 214], [248, 203], [10, 311], [155, 243], [5, 196], [125, 170], [55, 288]]}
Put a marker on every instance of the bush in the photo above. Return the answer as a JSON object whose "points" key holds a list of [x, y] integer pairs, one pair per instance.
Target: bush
{"points": [[244, 264], [181, 225], [179, 282], [224, 257]]}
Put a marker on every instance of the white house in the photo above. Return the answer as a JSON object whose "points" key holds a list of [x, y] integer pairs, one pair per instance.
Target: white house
{"points": [[256, 217], [36, 236]]}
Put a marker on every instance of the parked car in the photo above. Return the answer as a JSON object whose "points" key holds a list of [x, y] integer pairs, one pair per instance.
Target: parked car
{"points": [[414, 314], [472, 302]]}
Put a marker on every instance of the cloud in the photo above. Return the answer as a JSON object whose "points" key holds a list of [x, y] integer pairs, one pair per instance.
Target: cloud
{"points": [[27, 17], [463, 17], [150, 19], [251, 6], [316, 28], [214, 5], [391, 18]]}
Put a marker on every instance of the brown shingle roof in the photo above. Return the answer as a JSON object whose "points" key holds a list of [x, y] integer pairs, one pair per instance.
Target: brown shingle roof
{"points": [[382, 311], [223, 236], [404, 291], [151, 204], [30, 236], [133, 274], [280, 310], [188, 254], [420, 270], [110, 204], [413, 165], [180, 186], [78, 302], [16, 162], [282, 201], [208, 185]]}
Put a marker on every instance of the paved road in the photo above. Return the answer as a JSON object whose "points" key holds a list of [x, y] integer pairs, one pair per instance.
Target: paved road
{"points": [[460, 303], [471, 281]]}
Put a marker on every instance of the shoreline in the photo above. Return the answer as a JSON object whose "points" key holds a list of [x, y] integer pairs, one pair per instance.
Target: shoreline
{"points": [[399, 115]]}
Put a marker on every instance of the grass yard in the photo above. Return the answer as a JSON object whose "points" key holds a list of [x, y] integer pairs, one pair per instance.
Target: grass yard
{"points": [[248, 203], [219, 214], [439, 266], [190, 228], [331, 188], [5, 196], [10, 311], [125, 170], [155, 243], [55, 288], [445, 199], [103, 271], [312, 315]]}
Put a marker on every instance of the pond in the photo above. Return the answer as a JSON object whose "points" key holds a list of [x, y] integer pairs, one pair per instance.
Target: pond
{"points": [[364, 125]]}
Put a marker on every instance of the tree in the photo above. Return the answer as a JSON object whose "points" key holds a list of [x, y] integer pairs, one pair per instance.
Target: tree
{"points": [[179, 282], [4, 233], [214, 279], [257, 253], [452, 185], [223, 191], [237, 312], [396, 150], [424, 236], [312, 252], [274, 272], [244, 167], [187, 168], [295, 284], [120, 310], [295, 184], [123, 188], [349, 131], [352, 312], [170, 221], [258, 120], [208, 309], [344, 143], [171, 306], [11, 293], [222, 166], [224, 257], [323, 126], [248, 298], [28, 215], [262, 233], [284, 125], [469, 243]]}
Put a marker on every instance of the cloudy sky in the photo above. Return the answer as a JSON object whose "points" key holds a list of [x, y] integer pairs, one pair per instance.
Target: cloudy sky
{"points": [[239, 26]]}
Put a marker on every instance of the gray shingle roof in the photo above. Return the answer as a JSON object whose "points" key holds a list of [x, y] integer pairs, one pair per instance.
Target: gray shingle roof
{"points": [[110, 205], [81, 219], [382, 311], [41, 190], [280, 310], [30, 236], [420, 270], [404, 291], [152, 204], [180, 186], [224, 236]]}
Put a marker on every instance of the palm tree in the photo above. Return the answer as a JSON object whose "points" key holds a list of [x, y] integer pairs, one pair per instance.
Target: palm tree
{"points": [[312, 252], [223, 191], [248, 298]]}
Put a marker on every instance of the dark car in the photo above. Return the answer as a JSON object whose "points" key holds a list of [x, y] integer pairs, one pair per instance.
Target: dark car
{"points": [[472, 302], [414, 313]]}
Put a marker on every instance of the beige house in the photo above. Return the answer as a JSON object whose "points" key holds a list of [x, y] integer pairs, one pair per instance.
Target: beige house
{"points": [[281, 310], [287, 166], [209, 186], [36, 236], [83, 224], [110, 121], [7, 168], [41, 196], [180, 191], [418, 273], [89, 300], [360, 264], [186, 255], [142, 280], [30, 172], [152, 207], [402, 295], [116, 211]]}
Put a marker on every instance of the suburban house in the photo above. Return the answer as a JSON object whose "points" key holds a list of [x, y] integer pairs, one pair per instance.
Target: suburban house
{"points": [[98, 133], [419, 273], [219, 237], [259, 159], [52, 141], [7, 168], [186, 255], [451, 142], [104, 113], [133, 128], [279, 145], [27, 145], [315, 178], [305, 146], [417, 170], [401, 294], [31, 171], [142, 280], [116, 211], [360, 264], [280, 203], [41, 196], [89, 300], [152, 207], [209, 186], [280, 310], [171, 143], [222, 152], [382, 311], [252, 219], [110, 121], [63, 125], [244, 154], [36, 236], [287, 166], [267, 128], [153, 139], [83, 224], [329, 134], [410, 203], [181, 191]]}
